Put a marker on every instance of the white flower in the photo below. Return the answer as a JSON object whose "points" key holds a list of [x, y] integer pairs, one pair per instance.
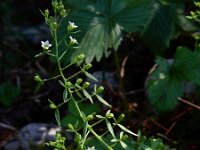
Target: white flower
{"points": [[73, 40], [71, 26], [161, 76], [45, 45], [91, 148]]}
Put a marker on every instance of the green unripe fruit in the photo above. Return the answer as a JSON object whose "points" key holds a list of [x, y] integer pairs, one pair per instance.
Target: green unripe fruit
{"points": [[70, 126], [90, 117], [120, 118], [100, 89], [80, 57], [37, 78], [68, 84], [79, 80], [86, 85], [87, 66], [54, 25], [46, 13], [63, 13], [52, 106]]}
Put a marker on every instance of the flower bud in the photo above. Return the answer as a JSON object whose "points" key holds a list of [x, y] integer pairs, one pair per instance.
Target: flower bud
{"points": [[120, 118], [90, 117], [70, 126], [109, 115], [37, 78], [61, 6], [52, 106], [86, 85], [68, 84], [46, 13], [100, 89], [54, 25], [87, 66], [63, 13], [79, 80]]}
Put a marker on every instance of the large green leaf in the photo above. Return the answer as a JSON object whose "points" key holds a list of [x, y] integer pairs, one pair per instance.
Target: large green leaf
{"points": [[101, 22], [163, 89], [161, 29], [187, 65]]}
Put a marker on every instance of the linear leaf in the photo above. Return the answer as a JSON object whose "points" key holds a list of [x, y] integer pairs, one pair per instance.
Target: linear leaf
{"points": [[126, 130], [110, 128], [103, 101], [87, 95], [57, 116]]}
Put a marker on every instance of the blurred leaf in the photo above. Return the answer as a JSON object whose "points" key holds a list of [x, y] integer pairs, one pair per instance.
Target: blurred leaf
{"points": [[103, 101], [161, 28]]}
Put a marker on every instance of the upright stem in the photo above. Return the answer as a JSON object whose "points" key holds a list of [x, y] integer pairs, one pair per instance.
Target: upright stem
{"points": [[57, 57]]}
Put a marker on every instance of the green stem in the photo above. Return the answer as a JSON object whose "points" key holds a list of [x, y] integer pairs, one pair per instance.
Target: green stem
{"points": [[99, 138], [57, 57]]}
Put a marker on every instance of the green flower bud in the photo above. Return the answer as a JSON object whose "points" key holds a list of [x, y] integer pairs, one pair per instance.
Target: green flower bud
{"points": [[55, 5], [61, 6], [100, 89], [87, 66], [90, 117], [54, 25], [124, 138], [78, 138], [52, 106], [46, 13], [68, 84], [79, 80], [37, 78], [63, 13], [86, 85], [70, 126], [80, 57], [109, 115], [120, 118]]}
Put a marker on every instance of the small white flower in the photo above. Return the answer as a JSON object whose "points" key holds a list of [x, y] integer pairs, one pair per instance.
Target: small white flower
{"points": [[71, 26], [91, 148], [161, 76], [73, 40], [45, 45]]}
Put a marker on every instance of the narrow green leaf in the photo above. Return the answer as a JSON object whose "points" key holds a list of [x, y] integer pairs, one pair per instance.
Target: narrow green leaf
{"points": [[61, 83], [123, 145], [103, 101], [89, 75], [57, 116], [87, 95], [65, 95], [110, 128], [38, 86], [126, 130]]}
